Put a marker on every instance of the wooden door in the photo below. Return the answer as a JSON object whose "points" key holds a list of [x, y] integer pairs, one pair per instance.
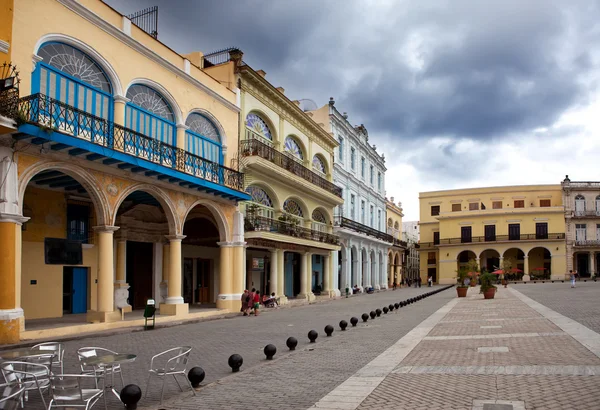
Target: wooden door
{"points": [[203, 281]]}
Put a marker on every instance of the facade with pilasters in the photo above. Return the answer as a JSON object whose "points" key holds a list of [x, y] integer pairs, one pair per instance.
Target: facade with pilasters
{"points": [[521, 226], [396, 269], [582, 219], [114, 167], [361, 221]]}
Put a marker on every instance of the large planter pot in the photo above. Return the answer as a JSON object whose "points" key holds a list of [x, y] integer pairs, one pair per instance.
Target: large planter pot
{"points": [[473, 283], [462, 291], [489, 294]]}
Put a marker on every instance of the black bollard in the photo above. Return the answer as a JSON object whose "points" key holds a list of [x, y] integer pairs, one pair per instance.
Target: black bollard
{"points": [[385, 310], [291, 343], [312, 335], [391, 307], [378, 312], [196, 375], [397, 305], [328, 330], [270, 351], [373, 314], [365, 317], [344, 324], [354, 321], [130, 396], [235, 362]]}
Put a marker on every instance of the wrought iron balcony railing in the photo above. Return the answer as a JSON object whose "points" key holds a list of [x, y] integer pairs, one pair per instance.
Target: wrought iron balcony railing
{"points": [[263, 224], [497, 238], [254, 147], [358, 227], [587, 243], [53, 115], [592, 213], [400, 243]]}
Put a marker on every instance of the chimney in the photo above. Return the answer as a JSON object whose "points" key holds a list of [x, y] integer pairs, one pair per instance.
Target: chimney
{"points": [[392, 199], [331, 101], [262, 73], [345, 115], [281, 90], [196, 58]]}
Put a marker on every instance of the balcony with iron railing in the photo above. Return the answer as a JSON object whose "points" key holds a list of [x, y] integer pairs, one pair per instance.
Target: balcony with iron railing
{"points": [[42, 119], [342, 222], [255, 223], [431, 261], [495, 238], [591, 213], [587, 243], [258, 147]]}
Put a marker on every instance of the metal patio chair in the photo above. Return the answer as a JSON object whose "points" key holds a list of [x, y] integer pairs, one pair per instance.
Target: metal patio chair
{"points": [[67, 390], [57, 349], [171, 362], [11, 396], [30, 375], [98, 371]]}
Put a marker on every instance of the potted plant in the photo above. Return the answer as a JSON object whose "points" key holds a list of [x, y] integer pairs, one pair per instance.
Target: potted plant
{"points": [[488, 289], [461, 288]]}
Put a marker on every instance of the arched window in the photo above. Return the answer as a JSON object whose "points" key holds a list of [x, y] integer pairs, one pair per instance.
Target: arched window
{"points": [[319, 165], [579, 205], [202, 138], [598, 205], [257, 127], [390, 222], [319, 221], [149, 113], [261, 200], [292, 147], [69, 75], [293, 208], [396, 226]]}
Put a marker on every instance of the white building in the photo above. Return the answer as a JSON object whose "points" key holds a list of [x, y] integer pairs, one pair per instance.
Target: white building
{"points": [[410, 234], [410, 231], [361, 220]]}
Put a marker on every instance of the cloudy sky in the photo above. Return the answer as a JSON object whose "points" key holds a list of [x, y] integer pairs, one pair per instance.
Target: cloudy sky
{"points": [[456, 93]]}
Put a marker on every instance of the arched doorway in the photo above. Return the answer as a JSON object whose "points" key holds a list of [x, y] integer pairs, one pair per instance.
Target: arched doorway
{"points": [[514, 257], [489, 260], [59, 262], [540, 263]]}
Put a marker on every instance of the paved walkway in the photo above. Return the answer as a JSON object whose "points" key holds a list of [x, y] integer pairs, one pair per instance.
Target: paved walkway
{"points": [[506, 353]]}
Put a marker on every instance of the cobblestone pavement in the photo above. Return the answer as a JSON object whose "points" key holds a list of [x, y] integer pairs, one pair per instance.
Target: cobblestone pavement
{"points": [[580, 304], [294, 380], [503, 352]]}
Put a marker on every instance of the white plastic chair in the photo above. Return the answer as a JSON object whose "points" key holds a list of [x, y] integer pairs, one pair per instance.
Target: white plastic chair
{"points": [[171, 362], [98, 371], [67, 390], [11, 395], [32, 376], [55, 348]]}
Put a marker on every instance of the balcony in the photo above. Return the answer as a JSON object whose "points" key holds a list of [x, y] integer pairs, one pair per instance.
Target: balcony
{"points": [[255, 147], [400, 244], [432, 261], [342, 222], [497, 238], [263, 224], [586, 214], [587, 243], [42, 120]]}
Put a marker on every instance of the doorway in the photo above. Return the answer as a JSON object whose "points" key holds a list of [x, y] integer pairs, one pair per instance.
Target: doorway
{"points": [[203, 281], [433, 273], [583, 264], [139, 272], [75, 290]]}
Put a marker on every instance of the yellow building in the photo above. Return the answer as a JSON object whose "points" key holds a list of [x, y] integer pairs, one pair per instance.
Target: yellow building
{"points": [[115, 186], [396, 256], [287, 160], [521, 224]]}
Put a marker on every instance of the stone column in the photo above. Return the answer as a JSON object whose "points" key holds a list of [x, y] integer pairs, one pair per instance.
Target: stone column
{"points": [[592, 263], [238, 274], [225, 275], [180, 141], [165, 273], [526, 276], [303, 275], [273, 273], [11, 313], [384, 272], [174, 305], [119, 109], [327, 274], [281, 276], [106, 310], [478, 263], [121, 287]]}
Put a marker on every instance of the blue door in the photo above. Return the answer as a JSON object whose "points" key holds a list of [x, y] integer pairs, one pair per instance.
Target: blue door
{"points": [[289, 275], [80, 279]]}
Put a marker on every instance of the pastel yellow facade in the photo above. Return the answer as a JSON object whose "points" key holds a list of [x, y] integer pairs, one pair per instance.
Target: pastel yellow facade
{"points": [[523, 224], [396, 252], [117, 186], [287, 160]]}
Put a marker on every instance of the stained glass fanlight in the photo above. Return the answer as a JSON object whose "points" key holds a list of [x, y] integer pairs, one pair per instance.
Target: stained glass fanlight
{"points": [[390, 222], [203, 126], [292, 207], [75, 63], [151, 101], [319, 216], [318, 165], [259, 196], [259, 126], [292, 147]]}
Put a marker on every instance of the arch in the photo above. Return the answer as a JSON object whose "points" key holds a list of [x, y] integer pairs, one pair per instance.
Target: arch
{"points": [[325, 212], [491, 250], [300, 204], [218, 216], [396, 225], [319, 216], [175, 225], [178, 120], [201, 125], [390, 223], [319, 163], [214, 121], [81, 175], [90, 51], [259, 196], [257, 125], [149, 99], [270, 192], [294, 146], [518, 249]]}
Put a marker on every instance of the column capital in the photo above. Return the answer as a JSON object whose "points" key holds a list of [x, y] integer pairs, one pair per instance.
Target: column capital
{"points": [[121, 99], [525, 257], [14, 218], [226, 244], [182, 127], [105, 228], [175, 238]]}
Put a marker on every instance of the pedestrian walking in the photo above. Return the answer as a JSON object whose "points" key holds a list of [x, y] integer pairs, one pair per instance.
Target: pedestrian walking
{"points": [[394, 285], [245, 300], [256, 302], [429, 281], [250, 300], [419, 281], [572, 276]]}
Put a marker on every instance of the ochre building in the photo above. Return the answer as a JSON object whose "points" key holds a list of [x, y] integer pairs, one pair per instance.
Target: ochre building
{"points": [[523, 223], [115, 166], [397, 250]]}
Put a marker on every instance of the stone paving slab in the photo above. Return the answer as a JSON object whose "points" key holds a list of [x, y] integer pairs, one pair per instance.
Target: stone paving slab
{"points": [[510, 326]]}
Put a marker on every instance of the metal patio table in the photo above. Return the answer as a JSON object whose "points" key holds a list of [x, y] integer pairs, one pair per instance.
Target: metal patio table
{"points": [[108, 362]]}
